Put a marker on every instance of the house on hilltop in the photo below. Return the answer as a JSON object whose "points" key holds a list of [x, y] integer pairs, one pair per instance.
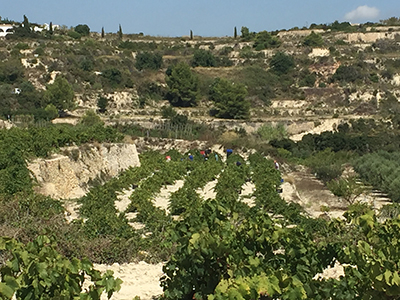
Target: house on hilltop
{"points": [[6, 29]]}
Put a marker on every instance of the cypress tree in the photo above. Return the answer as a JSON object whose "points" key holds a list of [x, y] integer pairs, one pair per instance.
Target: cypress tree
{"points": [[235, 33], [102, 32], [51, 28], [191, 35], [27, 25], [120, 31]]}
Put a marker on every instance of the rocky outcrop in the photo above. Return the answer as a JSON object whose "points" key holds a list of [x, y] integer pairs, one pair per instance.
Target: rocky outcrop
{"points": [[70, 174]]}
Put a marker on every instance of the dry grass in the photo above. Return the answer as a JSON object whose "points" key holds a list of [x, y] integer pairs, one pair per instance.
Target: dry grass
{"points": [[289, 179], [228, 137]]}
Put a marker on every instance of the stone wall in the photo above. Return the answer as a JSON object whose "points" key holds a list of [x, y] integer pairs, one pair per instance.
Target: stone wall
{"points": [[70, 173]]}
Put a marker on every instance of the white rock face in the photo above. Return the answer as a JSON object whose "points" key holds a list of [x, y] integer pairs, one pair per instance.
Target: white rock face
{"points": [[69, 175], [319, 52]]}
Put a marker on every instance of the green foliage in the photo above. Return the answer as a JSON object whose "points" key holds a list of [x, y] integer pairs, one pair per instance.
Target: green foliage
{"points": [[307, 78], [11, 71], [120, 34], [82, 29], [382, 170], [270, 132], [75, 35], [342, 26], [281, 63], [22, 46], [246, 35], [60, 94], [168, 112], [327, 165], [102, 103], [347, 188], [183, 85], [349, 73], [313, 40], [376, 276], [203, 58], [24, 30], [230, 99], [91, 119], [392, 21], [17, 145], [137, 46], [265, 40], [51, 112], [38, 271], [150, 90], [259, 82], [113, 77], [148, 60]]}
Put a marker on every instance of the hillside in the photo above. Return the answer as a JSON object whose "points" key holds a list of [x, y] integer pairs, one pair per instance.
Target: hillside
{"points": [[259, 166], [345, 74]]}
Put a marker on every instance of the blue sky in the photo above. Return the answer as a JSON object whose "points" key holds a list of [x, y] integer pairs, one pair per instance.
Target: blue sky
{"points": [[204, 17]]}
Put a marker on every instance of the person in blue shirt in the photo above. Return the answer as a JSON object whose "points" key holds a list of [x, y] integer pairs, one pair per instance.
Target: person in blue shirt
{"points": [[228, 152], [190, 157]]}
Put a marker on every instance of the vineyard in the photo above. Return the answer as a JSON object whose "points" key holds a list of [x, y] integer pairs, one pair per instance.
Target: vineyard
{"points": [[232, 246]]}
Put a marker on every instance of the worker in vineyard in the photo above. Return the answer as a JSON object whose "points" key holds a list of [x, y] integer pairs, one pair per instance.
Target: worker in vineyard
{"points": [[276, 164], [190, 157], [216, 157], [228, 152]]}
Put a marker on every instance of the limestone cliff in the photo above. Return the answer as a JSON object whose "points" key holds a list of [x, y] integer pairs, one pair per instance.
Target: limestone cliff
{"points": [[69, 175]]}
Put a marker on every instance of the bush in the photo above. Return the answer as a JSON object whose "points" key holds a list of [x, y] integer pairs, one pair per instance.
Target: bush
{"points": [[102, 103], [270, 132], [281, 63], [313, 40], [265, 40], [346, 188], [148, 60], [203, 58], [347, 74], [82, 29], [75, 35]]}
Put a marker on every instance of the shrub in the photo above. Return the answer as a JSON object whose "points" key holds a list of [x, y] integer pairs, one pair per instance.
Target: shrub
{"points": [[82, 29], [265, 40], [203, 58], [347, 74], [148, 60], [75, 35], [313, 40], [346, 188], [281, 63], [270, 132]]}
